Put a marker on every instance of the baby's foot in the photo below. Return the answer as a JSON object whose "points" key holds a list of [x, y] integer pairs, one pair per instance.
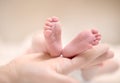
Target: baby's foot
{"points": [[81, 43], [52, 34], [49, 41]]}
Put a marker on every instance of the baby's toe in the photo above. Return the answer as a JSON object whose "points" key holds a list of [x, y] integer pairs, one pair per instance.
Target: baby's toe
{"points": [[47, 28], [94, 31], [49, 20], [55, 19], [95, 42], [49, 24]]}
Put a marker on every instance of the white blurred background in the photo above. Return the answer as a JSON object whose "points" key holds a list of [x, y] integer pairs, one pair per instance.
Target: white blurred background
{"points": [[20, 18]]}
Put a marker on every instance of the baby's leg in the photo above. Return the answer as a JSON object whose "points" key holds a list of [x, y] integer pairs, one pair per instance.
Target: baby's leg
{"points": [[81, 43], [50, 40]]}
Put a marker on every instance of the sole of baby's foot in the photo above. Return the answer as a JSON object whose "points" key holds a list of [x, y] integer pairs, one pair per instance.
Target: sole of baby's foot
{"points": [[52, 35], [82, 42]]}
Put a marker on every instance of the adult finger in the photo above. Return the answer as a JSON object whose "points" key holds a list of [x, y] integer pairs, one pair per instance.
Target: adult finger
{"points": [[100, 59], [108, 66], [89, 56]]}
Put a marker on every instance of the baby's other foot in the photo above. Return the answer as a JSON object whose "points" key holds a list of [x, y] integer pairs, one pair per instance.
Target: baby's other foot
{"points": [[52, 35], [81, 43]]}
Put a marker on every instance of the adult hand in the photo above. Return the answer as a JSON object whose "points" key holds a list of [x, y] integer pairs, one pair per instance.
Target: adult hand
{"points": [[41, 68]]}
